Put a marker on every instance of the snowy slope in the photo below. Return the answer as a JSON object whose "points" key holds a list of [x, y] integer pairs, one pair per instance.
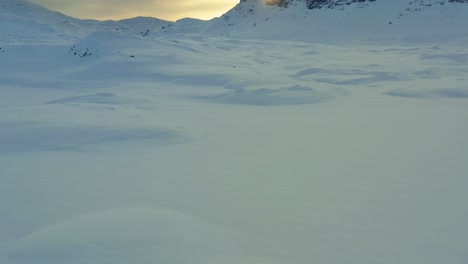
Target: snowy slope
{"points": [[23, 21], [384, 20]]}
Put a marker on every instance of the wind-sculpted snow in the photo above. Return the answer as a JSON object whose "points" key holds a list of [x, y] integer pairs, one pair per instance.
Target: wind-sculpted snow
{"points": [[455, 58], [26, 137], [461, 93], [100, 98], [294, 95], [350, 76]]}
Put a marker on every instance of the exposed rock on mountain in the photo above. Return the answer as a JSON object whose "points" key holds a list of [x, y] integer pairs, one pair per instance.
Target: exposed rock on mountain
{"points": [[313, 4], [280, 3]]}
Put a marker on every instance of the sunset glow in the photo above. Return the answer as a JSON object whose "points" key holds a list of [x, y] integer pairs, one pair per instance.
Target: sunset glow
{"points": [[121, 9]]}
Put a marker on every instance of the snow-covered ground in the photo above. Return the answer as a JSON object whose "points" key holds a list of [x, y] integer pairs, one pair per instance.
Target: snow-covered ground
{"points": [[120, 145]]}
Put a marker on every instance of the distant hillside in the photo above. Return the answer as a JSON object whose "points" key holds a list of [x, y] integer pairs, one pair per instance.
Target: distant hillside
{"points": [[339, 21], [26, 22], [313, 4], [345, 20]]}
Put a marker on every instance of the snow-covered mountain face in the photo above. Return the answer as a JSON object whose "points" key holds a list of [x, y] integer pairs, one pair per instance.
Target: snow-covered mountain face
{"points": [[345, 20], [24, 22], [312, 4], [305, 20]]}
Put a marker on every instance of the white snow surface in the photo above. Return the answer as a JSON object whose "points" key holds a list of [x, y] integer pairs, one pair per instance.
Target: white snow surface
{"points": [[271, 136]]}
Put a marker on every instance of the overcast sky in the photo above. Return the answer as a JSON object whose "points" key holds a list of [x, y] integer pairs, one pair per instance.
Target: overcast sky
{"points": [[119, 9]]}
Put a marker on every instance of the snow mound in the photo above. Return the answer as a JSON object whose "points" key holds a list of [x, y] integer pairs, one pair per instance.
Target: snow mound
{"points": [[114, 236], [141, 24], [188, 26]]}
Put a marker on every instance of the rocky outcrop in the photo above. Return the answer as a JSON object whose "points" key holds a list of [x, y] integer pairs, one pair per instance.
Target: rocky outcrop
{"points": [[317, 4], [312, 4], [280, 3]]}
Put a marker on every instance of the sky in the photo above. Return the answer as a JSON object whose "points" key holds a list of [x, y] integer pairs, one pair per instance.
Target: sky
{"points": [[120, 9]]}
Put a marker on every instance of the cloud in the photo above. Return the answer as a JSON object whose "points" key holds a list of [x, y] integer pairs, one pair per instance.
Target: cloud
{"points": [[119, 9]]}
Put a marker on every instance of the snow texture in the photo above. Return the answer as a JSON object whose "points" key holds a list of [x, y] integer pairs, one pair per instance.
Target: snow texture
{"points": [[271, 135]]}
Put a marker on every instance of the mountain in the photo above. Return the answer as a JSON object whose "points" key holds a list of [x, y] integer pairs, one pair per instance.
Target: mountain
{"points": [[305, 20], [26, 22], [313, 4], [345, 20], [23, 21]]}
